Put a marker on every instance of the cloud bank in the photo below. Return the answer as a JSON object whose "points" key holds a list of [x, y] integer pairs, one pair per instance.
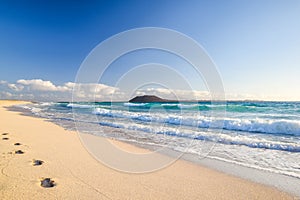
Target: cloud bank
{"points": [[43, 90]]}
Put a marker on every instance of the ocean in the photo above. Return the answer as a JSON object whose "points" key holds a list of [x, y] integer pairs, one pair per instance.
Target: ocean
{"points": [[260, 135]]}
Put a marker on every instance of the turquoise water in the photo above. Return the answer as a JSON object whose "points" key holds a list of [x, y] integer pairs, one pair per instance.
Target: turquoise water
{"points": [[261, 135], [280, 118]]}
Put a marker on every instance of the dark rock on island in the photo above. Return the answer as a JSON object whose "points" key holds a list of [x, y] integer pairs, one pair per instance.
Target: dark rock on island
{"points": [[150, 99]]}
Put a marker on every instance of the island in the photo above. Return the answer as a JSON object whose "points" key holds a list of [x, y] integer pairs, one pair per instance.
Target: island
{"points": [[150, 99]]}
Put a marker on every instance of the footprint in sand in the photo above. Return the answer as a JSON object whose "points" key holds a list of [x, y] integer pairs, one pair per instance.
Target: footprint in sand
{"points": [[37, 162], [5, 138], [47, 182], [19, 152]]}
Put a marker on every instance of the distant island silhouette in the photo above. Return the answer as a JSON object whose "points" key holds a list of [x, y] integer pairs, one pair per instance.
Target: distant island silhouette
{"points": [[150, 99], [156, 99]]}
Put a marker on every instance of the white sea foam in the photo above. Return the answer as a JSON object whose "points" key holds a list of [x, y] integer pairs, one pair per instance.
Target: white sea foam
{"points": [[74, 105], [47, 103], [188, 105], [275, 126], [134, 104]]}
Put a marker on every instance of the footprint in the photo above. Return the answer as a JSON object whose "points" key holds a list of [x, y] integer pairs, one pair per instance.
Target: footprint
{"points": [[37, 162], [19, 152], [17, 144], [47, 182], [5, 138]]}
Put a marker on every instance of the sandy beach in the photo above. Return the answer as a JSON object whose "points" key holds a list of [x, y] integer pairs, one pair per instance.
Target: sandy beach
{"points": [[77, 175]]}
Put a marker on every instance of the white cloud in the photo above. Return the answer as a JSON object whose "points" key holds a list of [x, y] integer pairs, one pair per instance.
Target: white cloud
{"points": [[15, 87], [41, 90], [91, 92], [40, 85], [5, 95], [3, 82]]}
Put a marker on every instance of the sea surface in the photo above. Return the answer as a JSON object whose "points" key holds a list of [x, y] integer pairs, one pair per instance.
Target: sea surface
{"points": [[260, 135]]}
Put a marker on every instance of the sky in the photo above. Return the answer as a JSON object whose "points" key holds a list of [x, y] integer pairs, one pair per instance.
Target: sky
{"points": [[255, 45]]}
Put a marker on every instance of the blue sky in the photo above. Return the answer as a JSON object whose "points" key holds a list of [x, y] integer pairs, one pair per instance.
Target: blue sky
{"points": [[255, 44]]}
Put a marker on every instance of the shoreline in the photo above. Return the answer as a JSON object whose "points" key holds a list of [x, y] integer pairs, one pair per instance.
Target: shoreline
{"points": [[79, 175]]}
